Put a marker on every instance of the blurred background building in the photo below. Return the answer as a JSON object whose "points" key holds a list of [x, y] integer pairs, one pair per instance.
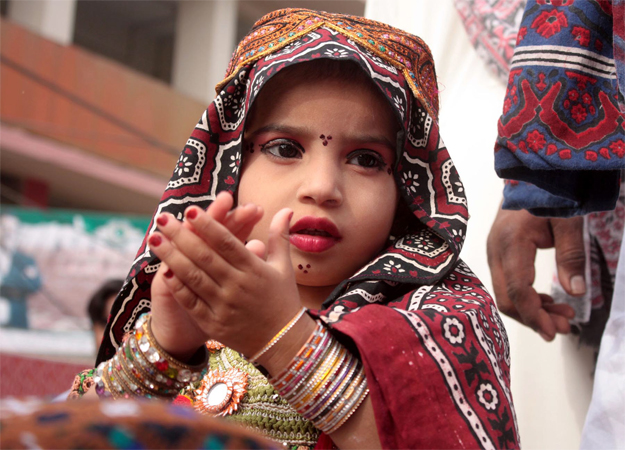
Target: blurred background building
{"points": [[97, 96]]}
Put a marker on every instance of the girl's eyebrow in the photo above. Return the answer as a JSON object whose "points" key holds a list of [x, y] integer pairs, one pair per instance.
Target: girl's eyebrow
{"points": [[280, 129], [372, 139], [358, 139]]}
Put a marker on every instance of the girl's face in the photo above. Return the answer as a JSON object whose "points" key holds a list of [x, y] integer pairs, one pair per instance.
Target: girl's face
{"points": [[325, 149]]}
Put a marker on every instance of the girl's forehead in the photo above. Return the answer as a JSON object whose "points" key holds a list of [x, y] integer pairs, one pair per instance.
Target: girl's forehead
{"points": [[300, 100]]}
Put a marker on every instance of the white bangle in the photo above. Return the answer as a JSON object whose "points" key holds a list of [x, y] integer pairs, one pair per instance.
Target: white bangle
{"points": [[278, 336]]}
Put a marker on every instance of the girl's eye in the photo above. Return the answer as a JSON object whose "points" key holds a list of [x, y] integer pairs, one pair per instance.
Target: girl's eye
{"points": [[366, 158], [283, 148]]}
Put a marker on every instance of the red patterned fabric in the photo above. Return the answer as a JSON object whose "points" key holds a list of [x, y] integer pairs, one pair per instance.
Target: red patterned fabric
{"points": [[492, 28], [432, 343], [561, 129]]}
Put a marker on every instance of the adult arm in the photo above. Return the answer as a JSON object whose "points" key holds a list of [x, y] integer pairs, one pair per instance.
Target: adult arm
{"points": [[561, 146]]}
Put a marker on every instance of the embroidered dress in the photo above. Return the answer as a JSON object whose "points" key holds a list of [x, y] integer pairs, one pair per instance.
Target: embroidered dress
{"points": [[433, 346]]}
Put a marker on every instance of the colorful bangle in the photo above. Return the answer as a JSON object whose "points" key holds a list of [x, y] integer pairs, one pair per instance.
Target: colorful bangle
{"points": [[137, 358], [340, 420], [142, 368], [151, 380], [311, 386], [101, 388], [317, 341], [110, 378], [135, 379], [332, 388], [323, 382], [278, 336], [304, 372], [165, 363]]}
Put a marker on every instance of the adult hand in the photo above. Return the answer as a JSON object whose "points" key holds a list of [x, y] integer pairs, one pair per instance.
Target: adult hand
{"points": [[512, 243]]}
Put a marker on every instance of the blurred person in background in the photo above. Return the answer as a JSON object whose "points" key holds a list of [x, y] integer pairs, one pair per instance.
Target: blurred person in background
{"points": [[99, 307], [19, 278]]}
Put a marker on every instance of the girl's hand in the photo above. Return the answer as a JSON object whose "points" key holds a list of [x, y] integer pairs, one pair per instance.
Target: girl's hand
{"points": [[168, 317], [225, 291]]}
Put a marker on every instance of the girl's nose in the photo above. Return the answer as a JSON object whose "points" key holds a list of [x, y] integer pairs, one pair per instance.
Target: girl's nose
{"points": [[321, 182]]}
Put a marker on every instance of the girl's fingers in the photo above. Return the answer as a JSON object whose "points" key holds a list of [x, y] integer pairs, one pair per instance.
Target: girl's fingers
{"points": [[220, 239], [186, 271], [218, 210], [278, 244], [185, 296], [258, 248], [241, 220], [220, 207], [194, 248]]}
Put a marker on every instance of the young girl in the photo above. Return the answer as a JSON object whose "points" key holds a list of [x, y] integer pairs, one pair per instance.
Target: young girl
{"points": [[331, 298]]}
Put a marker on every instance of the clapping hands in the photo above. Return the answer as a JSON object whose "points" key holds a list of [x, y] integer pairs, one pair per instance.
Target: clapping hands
{"points": [[213, 285]]}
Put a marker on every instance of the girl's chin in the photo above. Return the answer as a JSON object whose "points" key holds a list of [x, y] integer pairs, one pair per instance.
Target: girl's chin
{"points": [[314, 279]]}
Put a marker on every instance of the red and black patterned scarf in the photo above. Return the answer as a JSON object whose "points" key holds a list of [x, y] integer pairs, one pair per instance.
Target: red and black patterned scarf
{"points": [[435, 351]]}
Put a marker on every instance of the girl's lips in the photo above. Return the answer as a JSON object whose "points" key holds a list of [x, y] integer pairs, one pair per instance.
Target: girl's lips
{"points": [[312, 244], [314, 234]]}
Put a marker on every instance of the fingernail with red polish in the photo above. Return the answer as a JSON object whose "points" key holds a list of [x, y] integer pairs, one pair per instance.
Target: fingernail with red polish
{"points": [[155, 240], [169, 274], [161, 220], [192, 214]]}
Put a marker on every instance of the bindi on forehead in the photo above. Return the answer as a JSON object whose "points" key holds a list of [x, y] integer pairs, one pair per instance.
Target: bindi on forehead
{"points": [[325, 139]]}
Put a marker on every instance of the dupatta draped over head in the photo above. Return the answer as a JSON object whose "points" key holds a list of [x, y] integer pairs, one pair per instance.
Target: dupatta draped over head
{"points": [[433, 346]]}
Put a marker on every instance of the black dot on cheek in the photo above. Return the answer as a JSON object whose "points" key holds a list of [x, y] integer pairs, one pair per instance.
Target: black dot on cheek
{"points": [[300, 267], [305, 271], [308, 266]]}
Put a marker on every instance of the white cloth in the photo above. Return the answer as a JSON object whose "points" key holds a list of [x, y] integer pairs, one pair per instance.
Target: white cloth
{"points": [[605, 423]]}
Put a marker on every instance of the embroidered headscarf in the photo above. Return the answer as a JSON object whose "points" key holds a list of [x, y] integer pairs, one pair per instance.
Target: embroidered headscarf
{"points": [[430, 338]]}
